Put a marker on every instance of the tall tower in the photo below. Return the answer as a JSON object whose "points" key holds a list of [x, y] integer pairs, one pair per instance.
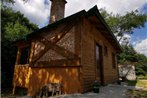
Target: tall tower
{"points": [[57, 10]]}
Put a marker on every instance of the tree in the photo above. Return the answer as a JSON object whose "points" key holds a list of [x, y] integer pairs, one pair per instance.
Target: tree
{"points": [[11, 1], [130, 56], [14, 27], [141, 65], [124, 24]]}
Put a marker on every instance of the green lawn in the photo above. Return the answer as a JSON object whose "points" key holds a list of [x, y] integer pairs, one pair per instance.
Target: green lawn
{"points": [[142, 77], [139, 83], [137, 94]]}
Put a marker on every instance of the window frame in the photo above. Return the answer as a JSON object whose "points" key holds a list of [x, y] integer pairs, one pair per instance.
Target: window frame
{"points": [[113, 60], [106, 51], [28, 55]]}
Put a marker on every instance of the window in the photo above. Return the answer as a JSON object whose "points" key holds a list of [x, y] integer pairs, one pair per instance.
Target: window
{"points": [[113, 60], [105, 51], [24, 58]]}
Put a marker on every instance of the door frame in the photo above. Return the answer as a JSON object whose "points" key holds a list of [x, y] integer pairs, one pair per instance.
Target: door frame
{"points": [[101, 69]]}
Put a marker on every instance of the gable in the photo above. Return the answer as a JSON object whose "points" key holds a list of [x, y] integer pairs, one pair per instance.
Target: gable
{"points": [[92, 15], [67, 42]]}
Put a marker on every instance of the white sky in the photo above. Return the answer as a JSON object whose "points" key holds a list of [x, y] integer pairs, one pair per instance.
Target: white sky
{"points": [[38, 12], [141, 47]]}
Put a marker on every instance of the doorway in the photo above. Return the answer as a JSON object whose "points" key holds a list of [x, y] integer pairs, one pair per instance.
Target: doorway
{"points": [[99, 64]]}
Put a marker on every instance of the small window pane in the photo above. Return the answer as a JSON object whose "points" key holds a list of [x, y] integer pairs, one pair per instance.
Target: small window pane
{"points": [[105, 51], [113, 61], [24, 58]]}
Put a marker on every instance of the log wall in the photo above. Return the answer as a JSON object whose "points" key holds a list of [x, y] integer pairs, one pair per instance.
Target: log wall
{"points": [[91, 36], [80, 40], [35, 78]]}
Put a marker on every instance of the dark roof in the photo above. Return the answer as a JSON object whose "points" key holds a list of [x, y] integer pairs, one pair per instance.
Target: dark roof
{"points": [[95, 11], [53, 25], [91, 12]]}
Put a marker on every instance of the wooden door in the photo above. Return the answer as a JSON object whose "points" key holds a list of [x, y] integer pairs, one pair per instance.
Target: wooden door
{"points": [[99, 64]]}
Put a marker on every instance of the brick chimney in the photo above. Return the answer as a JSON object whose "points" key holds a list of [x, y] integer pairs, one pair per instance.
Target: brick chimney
{"points": [[57, 10]]}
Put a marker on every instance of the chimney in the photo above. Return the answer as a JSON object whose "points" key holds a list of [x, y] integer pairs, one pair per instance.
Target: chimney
{"points": [[57, 10]]}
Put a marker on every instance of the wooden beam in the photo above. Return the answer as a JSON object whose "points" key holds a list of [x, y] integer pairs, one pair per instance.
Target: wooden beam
{"points": [[18, 56], [61, 62], [32, 51], [54, 40], [78, 41], [64, 52]]}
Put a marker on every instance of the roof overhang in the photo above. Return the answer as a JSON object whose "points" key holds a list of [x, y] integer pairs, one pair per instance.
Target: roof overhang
{"points": [[95, 18]]}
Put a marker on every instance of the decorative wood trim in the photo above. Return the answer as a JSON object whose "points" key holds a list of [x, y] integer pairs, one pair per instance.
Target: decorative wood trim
{"points": [[55, 40], [57, 66], [78, 38], [24, 45], [18, 56], [62, 62], [32, 51], [64, 52]]}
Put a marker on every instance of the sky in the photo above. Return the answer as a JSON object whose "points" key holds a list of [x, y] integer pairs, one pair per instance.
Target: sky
{"points": [[38, 12]]}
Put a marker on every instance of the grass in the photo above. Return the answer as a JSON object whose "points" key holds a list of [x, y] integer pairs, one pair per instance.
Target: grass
{"points": [[7, 93], [142, 77], [139, 83], [137, 94]]}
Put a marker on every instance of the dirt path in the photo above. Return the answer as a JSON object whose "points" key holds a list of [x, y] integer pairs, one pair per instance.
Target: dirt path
{"points": [[110, 91]]}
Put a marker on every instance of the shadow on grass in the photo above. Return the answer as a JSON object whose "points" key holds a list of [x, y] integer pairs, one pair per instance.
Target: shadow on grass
{"points": [[137, 94], [138, 83], [132, 83], [7, 92]]}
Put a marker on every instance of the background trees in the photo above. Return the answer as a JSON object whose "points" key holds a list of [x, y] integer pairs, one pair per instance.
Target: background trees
{"points": [[14, 26], [141, 65], [125, 24], [130, 56]]}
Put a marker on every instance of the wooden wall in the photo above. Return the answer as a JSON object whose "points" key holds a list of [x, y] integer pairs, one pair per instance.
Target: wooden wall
{"points": [[35, 78], [91, 36], [63, 70], [80, 40]]}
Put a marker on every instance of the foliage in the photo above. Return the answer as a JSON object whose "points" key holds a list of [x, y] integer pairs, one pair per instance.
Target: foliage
{"points": [[142, 77], [139, 83], [124, 24], [136, 93], [7, 1], [10, 1], [130, 56], [141, 65], [14, 26]]}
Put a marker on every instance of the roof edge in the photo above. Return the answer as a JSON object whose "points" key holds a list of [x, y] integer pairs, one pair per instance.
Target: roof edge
{"points": [[95, 11], [80, 13]]}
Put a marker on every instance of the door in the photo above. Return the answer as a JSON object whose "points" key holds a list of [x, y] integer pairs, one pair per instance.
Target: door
{"points": [[99, 64]]}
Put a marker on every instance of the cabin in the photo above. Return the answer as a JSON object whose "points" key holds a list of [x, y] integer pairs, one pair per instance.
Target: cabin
{"points": [[74, 51]]}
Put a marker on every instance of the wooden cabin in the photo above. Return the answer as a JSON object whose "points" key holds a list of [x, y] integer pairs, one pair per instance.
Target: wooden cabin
{"points": [[74, 51]]}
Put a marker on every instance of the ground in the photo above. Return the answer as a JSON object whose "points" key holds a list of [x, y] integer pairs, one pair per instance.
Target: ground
{"points": [[132, 89], [112, 91]]}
